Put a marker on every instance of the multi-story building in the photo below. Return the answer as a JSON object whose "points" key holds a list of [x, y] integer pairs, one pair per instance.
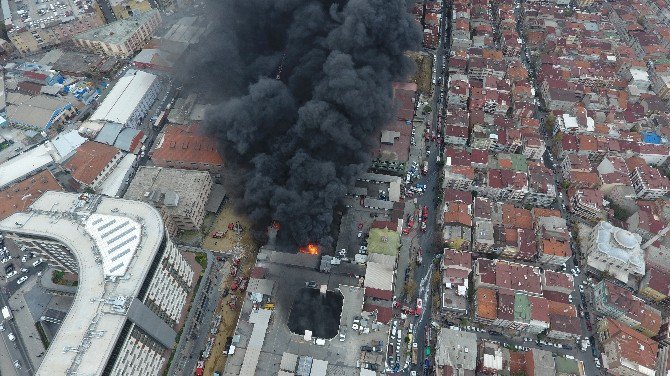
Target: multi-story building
{"points": [[41, 27], [660, 82], [553, 252], [456, 269], [626, 351], [615, 251], [588, 204], [180, 195], [585, 3], [648, 183], [120, 38], [656, 284], [618, 303], [133, 282], [456, 352]]}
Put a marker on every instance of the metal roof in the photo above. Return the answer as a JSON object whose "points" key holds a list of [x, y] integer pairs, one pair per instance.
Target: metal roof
{"points": [[125, 96], [66, 143], [288, 362], [124, 140], [109, 133], [117, 240], [379, 276], [24, 164], [260, 318]]}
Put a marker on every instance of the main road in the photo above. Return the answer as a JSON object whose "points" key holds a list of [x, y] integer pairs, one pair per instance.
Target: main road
{"points": [[430, 241]]}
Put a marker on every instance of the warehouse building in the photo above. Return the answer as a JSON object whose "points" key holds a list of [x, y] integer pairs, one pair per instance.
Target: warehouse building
{"points": [[39, 112], [133, 282], [129, 100]]}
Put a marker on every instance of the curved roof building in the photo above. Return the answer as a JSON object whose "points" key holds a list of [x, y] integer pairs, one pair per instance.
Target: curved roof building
{"points": [[615, 251], [133, 282]]}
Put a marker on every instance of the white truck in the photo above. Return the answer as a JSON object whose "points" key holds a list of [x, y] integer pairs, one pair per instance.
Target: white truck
{"points": [[6, 313]]}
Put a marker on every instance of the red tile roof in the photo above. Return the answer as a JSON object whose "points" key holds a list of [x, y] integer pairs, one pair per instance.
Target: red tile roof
{"points": [[379, 294], [17, 197], [90, 160], [185, 144], [384, 314], [632, 345], [487, 303]]}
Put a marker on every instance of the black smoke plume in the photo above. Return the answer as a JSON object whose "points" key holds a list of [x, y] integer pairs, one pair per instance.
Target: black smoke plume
{"points": [[295, 144]]}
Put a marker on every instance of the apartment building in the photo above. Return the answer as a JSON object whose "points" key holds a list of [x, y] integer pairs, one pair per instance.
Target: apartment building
{"points": [[120, 38]]}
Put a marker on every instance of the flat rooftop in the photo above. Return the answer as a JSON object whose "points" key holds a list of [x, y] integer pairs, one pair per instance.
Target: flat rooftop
{"points": [[118, 31], [114, 242], [186, 184]]}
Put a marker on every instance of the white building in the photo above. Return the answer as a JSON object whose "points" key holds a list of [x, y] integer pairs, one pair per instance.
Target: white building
{"points": [[25, 164], [129, 100], [133, 282], [615, 251]]}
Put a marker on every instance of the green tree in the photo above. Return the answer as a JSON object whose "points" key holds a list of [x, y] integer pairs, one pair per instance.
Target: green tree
{"points": [[550, 121], [57, 276], [427, 109]]}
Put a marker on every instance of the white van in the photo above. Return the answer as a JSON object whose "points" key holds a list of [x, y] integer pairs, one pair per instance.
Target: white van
{"points": [[37, 262]]}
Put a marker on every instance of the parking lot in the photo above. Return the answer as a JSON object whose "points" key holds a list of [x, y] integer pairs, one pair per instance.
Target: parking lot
{"points": [[20, 272], [341, 353]]}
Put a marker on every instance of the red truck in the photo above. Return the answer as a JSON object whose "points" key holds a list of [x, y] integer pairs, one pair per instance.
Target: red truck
{"points": [[424, 213], [200, 368]]}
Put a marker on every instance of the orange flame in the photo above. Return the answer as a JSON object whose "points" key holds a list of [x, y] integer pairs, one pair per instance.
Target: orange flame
{"points": [[310, 249]]}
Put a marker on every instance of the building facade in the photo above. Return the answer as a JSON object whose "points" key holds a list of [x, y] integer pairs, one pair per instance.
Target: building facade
{"points": [[180, 195], [120, 38], [133, 287]]}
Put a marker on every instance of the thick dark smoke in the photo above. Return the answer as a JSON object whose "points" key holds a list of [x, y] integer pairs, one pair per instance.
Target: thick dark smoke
{"points": [[297, 143]]}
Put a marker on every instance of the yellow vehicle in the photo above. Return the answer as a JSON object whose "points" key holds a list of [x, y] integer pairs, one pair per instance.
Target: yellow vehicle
{"points": [[269, 306]]}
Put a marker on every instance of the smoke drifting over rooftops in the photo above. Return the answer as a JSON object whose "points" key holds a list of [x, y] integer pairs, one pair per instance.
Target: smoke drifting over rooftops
{"points": [[296, 143]]}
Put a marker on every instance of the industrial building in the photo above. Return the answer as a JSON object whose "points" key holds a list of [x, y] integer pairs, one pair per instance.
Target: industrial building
{"points": [[129, 100], [39, 112], [133, 282], [92, 163], [180, 195], [184, 147], [120, 38]]}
